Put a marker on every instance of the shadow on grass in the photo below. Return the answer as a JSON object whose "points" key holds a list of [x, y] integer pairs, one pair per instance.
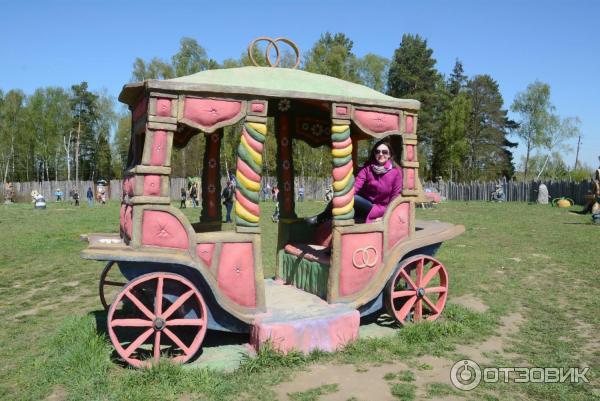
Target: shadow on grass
{"points": [[212, 339]]}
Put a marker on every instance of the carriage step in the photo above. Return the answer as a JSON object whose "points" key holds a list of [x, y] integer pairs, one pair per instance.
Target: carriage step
{"points": [[297, 320]]}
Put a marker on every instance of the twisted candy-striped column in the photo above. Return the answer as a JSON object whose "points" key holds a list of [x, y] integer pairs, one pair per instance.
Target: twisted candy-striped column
{"points": [[248, 171], [343, 179]]}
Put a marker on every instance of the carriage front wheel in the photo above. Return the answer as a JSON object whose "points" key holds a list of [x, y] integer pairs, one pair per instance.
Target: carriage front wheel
{"points": [[157, 315], [418, 290]]}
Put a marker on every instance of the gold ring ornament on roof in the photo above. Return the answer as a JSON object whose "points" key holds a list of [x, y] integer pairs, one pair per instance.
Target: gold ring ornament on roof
{"points": [[272, 43]]}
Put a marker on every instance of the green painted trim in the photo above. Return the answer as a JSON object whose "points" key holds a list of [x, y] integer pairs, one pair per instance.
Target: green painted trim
{"points": [[309, 276]]}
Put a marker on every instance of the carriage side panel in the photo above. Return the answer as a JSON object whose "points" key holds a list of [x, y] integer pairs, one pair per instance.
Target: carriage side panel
{"points": [[235, 276], [361, 257]]}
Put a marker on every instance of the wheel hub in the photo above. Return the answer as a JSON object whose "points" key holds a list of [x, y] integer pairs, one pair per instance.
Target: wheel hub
{"points": [[421, 292], [159, 323]]}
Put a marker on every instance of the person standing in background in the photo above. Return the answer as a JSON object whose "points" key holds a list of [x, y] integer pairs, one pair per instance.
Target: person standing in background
{"points": [[76, 197], [89, 196], [183, 198], [193, 195], [227, 196]]}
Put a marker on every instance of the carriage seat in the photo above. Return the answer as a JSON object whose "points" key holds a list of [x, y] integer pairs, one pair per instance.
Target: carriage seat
{"points": [[312, 252], [305, 265]]}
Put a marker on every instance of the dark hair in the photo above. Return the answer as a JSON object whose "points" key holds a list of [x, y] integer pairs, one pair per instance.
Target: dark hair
{"points": [[385, 142]]}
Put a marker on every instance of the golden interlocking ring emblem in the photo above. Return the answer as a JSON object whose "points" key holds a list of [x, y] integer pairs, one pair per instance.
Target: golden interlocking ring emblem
{"points": [[273, 44], [365, 257]]}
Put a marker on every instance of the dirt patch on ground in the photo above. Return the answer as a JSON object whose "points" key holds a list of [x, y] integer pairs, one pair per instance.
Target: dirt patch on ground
{"points": [[366, 383], [369, 383], [58, 394], [432, 370], [483, 352], [470, 302], [589, 334], [542, 256]]}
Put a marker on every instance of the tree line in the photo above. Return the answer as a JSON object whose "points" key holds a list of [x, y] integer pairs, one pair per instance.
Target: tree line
{"points": [[464, 129]]}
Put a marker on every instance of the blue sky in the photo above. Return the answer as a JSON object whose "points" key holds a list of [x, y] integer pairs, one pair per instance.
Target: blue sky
{"points": [[59, 43]]}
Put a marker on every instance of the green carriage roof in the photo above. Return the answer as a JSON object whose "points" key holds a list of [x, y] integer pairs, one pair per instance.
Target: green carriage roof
{"points": [[269, 82]]}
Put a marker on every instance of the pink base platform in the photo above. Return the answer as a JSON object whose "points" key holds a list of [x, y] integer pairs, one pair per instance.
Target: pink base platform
{"points": [[296, 320]]}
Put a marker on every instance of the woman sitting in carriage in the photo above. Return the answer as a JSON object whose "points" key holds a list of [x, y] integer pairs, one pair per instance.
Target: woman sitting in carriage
{"points": [[377, 183]]}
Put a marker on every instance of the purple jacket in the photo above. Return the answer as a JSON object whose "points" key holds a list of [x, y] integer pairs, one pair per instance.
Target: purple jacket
{"points": [[380, 190]]}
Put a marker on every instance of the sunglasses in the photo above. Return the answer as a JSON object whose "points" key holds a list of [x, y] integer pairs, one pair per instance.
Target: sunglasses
{"points": [[382, 152]]}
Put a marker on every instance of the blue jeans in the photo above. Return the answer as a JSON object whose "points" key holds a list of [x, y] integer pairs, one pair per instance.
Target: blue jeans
{"points": [[229, 206], [362, 207]]}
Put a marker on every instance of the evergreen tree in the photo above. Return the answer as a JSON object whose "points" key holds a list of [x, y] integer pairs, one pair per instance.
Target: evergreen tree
{"points": [[83, 108], [14, 137], [450, 145], [457, 80], [413, 75], [488, 156]]}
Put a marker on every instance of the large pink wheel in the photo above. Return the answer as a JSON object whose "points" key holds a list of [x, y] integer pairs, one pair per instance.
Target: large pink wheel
{"points": [[157, 315], [418, 290]]}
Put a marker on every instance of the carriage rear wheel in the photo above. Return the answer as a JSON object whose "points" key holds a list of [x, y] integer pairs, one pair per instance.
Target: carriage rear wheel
{"points": [[157, 315], [109, 279], [418, 290]]}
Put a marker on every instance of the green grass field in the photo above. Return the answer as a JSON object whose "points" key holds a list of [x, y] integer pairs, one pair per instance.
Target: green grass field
{"points": [[537, 262]]}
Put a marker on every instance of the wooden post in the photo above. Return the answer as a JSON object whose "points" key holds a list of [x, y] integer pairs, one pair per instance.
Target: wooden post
{"points": [[211, 179], [285, 170]]}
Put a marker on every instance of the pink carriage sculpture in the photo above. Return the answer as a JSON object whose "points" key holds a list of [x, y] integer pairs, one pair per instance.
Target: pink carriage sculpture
{"points": [[183, 278]]}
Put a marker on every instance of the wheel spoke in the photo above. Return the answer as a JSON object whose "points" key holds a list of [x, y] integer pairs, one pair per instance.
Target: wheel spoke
{"points": [[159, 296], [419, 272], [430, 274], [435, 290], [156, 350], [407, 278], [418, 310], [177, 304], [404, 293], [433, 308], [140, 305], [139, 341], [185, 322], [176, 340], [115, 283], [131, 323], [403, 312]]}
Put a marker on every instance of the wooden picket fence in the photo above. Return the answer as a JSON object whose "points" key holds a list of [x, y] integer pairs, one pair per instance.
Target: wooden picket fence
{"points": [[515, 191], [315, 189]]}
